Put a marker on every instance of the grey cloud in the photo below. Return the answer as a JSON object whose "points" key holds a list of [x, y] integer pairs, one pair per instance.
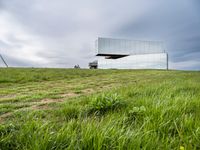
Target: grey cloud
{"points": [[3, 44], [174, 22], [62, 33], [187, 57]]}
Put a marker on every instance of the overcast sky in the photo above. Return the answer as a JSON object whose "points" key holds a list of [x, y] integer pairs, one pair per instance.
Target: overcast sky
{"points": [[61, 33]]}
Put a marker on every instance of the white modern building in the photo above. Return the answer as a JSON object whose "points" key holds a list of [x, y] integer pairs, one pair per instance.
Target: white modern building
{"points": [[130, 54]]}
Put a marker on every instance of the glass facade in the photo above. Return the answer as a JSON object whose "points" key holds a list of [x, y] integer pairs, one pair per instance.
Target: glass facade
{"points": [[127, 47], [129, 54], [142, 61]]}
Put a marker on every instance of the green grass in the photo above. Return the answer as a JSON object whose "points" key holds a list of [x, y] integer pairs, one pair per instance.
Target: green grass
{"points": [[99, 109]]}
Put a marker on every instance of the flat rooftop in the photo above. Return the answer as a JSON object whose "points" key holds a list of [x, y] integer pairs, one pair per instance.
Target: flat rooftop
{"points": [[123, 47]]}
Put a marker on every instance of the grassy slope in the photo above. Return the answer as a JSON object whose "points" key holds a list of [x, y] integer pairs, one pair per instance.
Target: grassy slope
{"points": [[99, 109]]}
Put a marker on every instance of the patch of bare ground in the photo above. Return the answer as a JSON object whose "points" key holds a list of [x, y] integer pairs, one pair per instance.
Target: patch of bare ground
{"points": [[3, 116], [43, 104], [101, 88], [47, 101], [8, 96], [38, 107], [88, 91], [69, 95]]}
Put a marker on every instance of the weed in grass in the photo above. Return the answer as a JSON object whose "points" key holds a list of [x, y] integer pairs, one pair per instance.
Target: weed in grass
{"points": [[106, 102]]}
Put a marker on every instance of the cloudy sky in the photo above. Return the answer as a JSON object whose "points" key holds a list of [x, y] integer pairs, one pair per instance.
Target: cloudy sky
{"points": [[61, 33]]}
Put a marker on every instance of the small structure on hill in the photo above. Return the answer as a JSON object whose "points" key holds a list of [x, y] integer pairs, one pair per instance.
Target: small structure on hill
{"points": [[93, 65]]}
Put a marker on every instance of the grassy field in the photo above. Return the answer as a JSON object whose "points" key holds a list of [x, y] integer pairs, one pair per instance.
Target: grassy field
{"points": [[45, 109]]}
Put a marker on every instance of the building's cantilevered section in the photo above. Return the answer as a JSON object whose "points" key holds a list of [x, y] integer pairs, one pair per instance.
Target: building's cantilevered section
{"points": [[130, 54], [121, 47]]}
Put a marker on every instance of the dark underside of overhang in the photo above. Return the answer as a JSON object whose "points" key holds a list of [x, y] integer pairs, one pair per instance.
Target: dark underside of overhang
{"points": [[112, 56]]}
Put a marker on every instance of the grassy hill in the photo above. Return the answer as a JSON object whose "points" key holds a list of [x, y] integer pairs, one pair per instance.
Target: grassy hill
{"points": [[99, 109]]}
